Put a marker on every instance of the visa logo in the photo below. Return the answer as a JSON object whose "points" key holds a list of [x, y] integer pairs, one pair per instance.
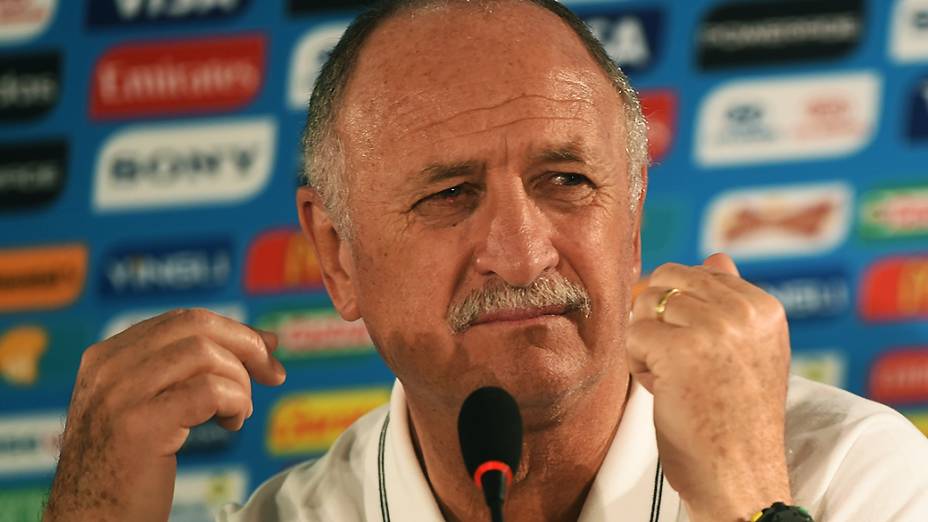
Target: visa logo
{"points": [[102, 13], [199, 266]]}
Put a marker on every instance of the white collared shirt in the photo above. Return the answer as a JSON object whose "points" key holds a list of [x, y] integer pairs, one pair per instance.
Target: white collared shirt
{"points": [[849, 460]]}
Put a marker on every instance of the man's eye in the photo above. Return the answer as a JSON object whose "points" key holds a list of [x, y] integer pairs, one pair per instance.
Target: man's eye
{"points": [[449, 193], [566, 187], [448, 202], [569, 179]]}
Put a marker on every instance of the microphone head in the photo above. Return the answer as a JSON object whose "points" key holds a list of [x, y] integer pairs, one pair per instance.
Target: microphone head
{"points": [[490, 429]]}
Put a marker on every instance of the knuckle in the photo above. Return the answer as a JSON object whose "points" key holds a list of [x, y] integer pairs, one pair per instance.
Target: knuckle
{"points": [[199, 316], [214, 387], [666, 269], [91, 355]]}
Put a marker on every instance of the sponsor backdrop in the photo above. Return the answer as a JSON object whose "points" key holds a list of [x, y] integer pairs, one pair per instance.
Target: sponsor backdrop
{"points": [[149, 153]]}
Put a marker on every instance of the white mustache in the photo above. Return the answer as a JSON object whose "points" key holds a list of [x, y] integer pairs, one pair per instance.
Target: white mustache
{"points": [[546, 291]]}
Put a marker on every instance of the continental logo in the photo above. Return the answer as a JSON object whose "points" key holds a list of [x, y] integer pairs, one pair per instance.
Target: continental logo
{"points": [[30, 85], [811, 295], [900, 376], [308, 57], [770, 222], [200, 493], [32, 174], [178, 77], [281, 261], [308, 423], [918, 111], [660, 109], [306, 334], [42, 277], [21, 348], [894, 212], [125, 320], [29, 443], [632, 38], [220, 161], [787, 119], [909, 34], [774, 32], [21, 20], [115, 13], [173, 268], [895, 288]]}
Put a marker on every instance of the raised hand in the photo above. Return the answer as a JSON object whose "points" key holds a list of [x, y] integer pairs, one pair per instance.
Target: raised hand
{"points": [[715, 355], [137, 395]]}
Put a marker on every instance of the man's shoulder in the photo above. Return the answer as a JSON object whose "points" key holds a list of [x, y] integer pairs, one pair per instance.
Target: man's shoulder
{"points": [[841, 448], [329, 488]]}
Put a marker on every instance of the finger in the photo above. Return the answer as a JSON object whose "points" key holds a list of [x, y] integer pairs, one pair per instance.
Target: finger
{"points": [[197, 400], [270, 338], [681, 309], [245, 343], [183, 360], [648, 344], [721, 262], [697, 281]]}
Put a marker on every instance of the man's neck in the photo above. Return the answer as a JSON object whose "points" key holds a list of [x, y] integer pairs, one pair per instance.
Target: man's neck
{"points": [[559, 461]]}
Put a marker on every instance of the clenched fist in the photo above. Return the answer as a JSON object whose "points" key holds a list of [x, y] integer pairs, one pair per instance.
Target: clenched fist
{"points": [[137, 395], [717, 362]]}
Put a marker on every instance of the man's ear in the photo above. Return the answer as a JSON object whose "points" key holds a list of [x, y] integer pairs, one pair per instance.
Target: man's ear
{"points": [[637, 221], [331, 252]]}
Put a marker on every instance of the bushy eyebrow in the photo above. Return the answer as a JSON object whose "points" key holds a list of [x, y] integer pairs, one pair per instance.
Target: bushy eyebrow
{"points": [[570, 152], [442, 171]]}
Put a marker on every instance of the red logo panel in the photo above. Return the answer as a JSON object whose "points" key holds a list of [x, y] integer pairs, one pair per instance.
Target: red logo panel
{"points": [[660, 109], [281, 261], [901, 376], [895, 289], [179, 76]]}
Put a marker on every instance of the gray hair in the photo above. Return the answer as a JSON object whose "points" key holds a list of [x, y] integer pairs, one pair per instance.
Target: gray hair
{"points": [[324, 161]]}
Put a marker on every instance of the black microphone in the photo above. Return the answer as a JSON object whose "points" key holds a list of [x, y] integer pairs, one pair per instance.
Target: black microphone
{"points": [[490, 432]]}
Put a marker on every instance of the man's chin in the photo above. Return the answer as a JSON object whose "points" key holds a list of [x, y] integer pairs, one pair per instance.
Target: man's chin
{"points": [[544, 380]]}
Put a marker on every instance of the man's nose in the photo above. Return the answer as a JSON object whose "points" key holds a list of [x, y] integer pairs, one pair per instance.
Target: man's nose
{"points": [[517, 244]]}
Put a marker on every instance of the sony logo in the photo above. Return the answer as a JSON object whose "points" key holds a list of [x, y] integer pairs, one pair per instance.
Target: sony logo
{"points": [[195, 163]]}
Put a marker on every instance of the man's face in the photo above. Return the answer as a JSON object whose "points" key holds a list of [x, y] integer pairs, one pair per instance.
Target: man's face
{"points": [[485, 149]]}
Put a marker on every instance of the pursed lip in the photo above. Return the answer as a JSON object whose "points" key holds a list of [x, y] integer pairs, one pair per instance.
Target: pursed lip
{"points": [[519, 314]]}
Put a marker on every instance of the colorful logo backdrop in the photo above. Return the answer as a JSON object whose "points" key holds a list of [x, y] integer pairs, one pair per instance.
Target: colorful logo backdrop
{"points": [[149, 153]]}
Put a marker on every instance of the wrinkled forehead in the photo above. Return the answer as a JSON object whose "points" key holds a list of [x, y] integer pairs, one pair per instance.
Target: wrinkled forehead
{"points": [[428, 66]]}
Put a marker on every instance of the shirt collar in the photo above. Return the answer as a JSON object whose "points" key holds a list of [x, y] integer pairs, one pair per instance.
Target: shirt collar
{"points": [[627, 487]]}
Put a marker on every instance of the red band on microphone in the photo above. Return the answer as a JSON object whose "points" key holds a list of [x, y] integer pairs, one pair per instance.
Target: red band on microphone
{"points": [[492, 465]]}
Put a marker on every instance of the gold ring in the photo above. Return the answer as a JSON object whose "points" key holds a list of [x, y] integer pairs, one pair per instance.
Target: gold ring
{"points": [[662, 303]]}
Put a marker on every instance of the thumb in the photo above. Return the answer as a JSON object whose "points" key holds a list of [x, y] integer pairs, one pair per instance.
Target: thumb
{"points": [[720, 262]]}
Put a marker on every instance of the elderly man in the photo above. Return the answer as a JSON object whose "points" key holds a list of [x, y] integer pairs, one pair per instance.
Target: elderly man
{"points": [[478, 173]]}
